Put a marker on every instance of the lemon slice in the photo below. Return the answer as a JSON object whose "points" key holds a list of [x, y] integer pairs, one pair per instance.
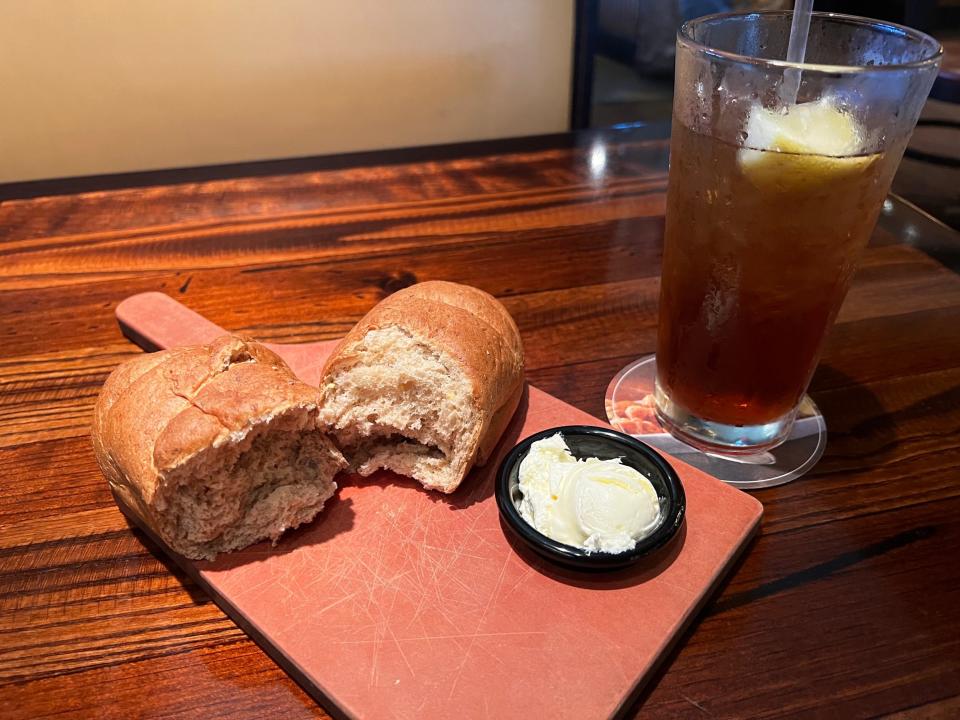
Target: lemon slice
{"points": [[802, 147]]}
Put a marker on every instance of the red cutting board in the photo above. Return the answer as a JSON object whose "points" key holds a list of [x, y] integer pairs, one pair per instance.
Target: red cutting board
{"points": [[402, 603]]}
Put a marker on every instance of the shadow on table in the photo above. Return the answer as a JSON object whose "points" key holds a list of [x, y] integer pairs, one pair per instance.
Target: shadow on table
{"points": [[861, 432], [859, 429], [197, 595]]}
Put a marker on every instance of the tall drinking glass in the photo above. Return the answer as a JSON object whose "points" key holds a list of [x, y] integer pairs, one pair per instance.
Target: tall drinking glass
{"points": [[769, 206], [778, 172]]}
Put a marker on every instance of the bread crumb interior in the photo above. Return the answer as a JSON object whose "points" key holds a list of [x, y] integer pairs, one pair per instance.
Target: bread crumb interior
{"points": [[400, 406], [228, 496]]}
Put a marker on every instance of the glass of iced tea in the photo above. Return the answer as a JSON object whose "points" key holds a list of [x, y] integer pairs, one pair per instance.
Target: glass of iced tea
{"points": [[770, 202]]}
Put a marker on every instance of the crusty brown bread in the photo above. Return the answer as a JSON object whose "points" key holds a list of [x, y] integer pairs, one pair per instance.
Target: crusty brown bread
{"points": [[425, 383], [215, 446]]}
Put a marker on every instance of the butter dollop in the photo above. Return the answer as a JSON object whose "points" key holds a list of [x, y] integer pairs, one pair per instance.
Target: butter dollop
{"points": [[593, 504]]}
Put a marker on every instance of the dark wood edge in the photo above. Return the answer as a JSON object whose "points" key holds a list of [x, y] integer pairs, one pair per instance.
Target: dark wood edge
{"points": [[314, 163], [584, 48], [289, 166], [285, 166], [291, 668]]}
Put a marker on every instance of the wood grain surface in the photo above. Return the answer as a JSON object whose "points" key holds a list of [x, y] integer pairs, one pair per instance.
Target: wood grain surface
{"points": [[846, 606]]}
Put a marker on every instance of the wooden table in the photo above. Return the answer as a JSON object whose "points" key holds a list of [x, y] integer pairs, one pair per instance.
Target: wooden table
{"points": [[848, 604]]}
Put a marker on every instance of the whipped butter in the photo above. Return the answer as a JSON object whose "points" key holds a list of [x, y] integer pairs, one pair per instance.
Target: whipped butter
{"points": [[592, 504]]}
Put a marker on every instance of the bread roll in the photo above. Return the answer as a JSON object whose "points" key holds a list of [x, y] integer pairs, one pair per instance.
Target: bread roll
{"points": [[425, 383], [215, 447]]}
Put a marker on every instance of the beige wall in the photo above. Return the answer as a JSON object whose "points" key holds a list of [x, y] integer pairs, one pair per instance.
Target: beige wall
{"points": [[95, 86]]}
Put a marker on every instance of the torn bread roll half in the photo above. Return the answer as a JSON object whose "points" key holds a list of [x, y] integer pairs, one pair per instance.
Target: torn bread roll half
{"points": [[215, 447], [425, 383]]}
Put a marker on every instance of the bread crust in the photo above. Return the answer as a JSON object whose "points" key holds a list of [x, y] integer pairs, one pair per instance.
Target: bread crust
{"points": [[498, 423], [471, 327], [158, 411]]}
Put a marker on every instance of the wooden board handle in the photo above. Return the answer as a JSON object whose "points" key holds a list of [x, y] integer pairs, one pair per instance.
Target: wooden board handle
{"points": [[155, 321]]}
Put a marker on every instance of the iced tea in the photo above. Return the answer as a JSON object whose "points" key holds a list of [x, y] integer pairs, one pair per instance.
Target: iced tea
{"points": [[759, 250], [778, 171]]}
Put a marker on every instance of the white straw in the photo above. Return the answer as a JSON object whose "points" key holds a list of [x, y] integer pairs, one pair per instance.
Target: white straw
{"points": [[796, 50]]}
